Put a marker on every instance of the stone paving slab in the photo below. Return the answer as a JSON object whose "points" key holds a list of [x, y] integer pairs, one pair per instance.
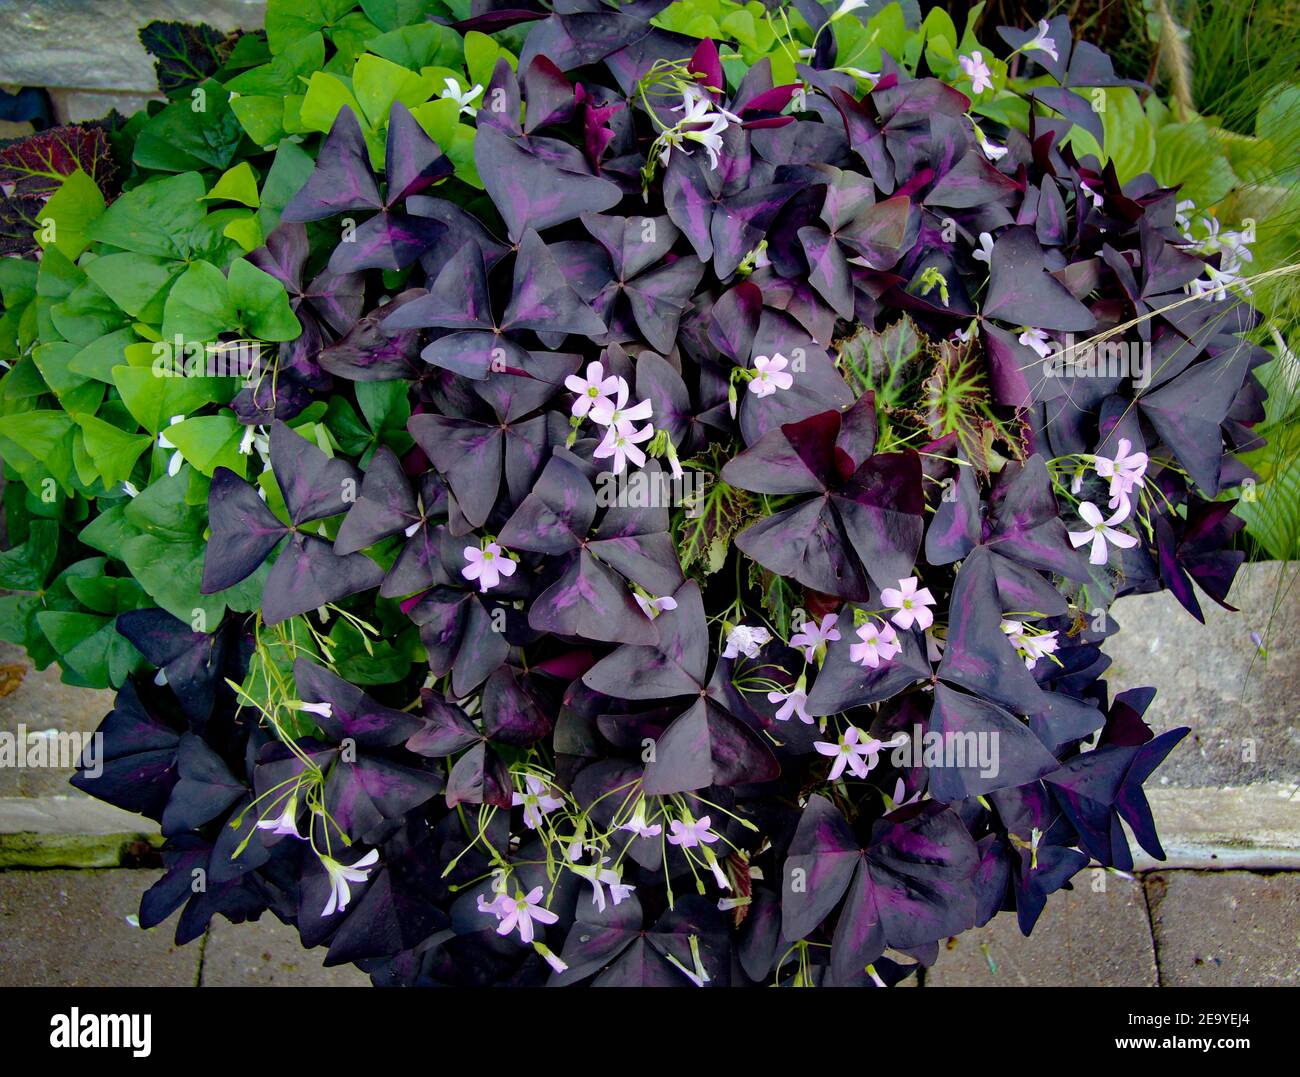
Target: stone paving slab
{"points": [[70, 929], [1085, 938], [93, 44], [1226, 929], [1243, 708], [268, 954]]}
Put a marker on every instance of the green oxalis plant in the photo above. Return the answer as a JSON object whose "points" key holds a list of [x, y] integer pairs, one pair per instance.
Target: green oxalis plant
{"points": [[128, 243]]}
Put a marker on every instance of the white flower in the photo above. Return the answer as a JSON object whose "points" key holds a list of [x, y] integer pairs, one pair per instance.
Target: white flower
{"points": [[652, 607], [487, 565], [1031, 647], [287, 821], [1100, 533], [464, 98], [990, 150], [174, 464], [746, 640], [622, 444], [985, 253], [1038, 340], [592, 389], [770, 375], [1042, 42], [340, 875], [1093, 194], [130, 489], [977, 71]]}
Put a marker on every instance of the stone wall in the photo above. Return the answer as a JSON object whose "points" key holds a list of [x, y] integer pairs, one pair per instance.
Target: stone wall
{"points": [[86, 52]]}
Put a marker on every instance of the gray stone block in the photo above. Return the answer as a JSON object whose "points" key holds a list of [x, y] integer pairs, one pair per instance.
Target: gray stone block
{"points": [[70, 929], [93, 44], [1085, 938], [1226, 928], [1243, 709], [268, 954]]}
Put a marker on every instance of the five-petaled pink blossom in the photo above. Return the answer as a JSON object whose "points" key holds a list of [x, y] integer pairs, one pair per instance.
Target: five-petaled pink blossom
{"points": [[852, 750], [812, 635], [521, 912], [615, 413], [622, 444], [770, 375], [913, 604], [1125, 471], [879, 644], [977, 71], [537, 801], [487, 565], [591, 389], [792, 703], [689, 835], [1101, 532]]}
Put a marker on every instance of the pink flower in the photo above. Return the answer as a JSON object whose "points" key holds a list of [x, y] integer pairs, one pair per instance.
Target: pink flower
{"points": [[1038, 340], [487, 565], [770, 375], [689, 835], [1101, 532], [638, 825], [621, 443], [812, 635], [977, 71], [537, 801], [850, 751], [792, 702], [879, 644], [521, 912], [1125, 471], [592, 389], [913, 605], [615, 413]]}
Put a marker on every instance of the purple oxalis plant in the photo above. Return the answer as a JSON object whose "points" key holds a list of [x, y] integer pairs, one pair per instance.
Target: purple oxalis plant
{"points": [[743, 477]]}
